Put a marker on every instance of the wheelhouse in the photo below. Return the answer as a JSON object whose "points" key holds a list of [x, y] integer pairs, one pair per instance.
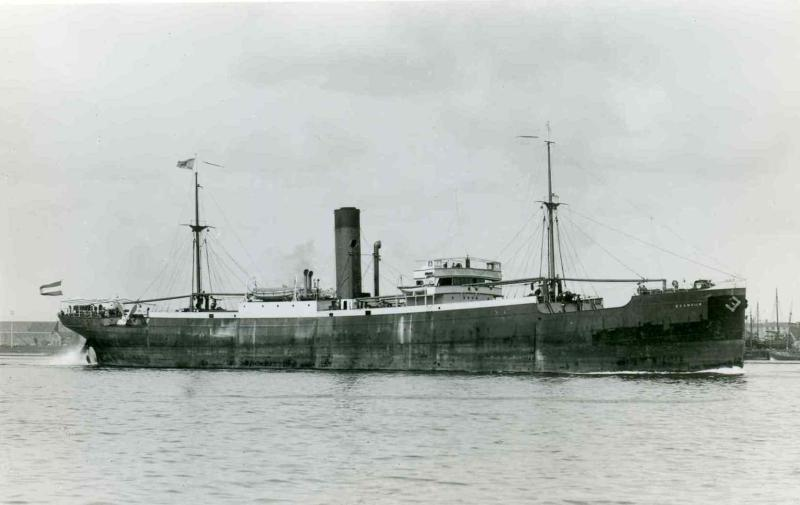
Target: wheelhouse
{"points": [[455, 279]]}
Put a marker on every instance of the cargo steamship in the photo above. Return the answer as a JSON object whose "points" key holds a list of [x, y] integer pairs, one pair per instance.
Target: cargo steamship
{"points": [[453, 317]]}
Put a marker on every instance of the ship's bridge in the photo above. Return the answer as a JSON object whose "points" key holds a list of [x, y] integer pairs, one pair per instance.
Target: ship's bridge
{"points": [[457, 271], [457, 279]]}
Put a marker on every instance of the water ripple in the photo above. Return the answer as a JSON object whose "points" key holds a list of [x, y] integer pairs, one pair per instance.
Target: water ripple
{"points": [[84, 434]]}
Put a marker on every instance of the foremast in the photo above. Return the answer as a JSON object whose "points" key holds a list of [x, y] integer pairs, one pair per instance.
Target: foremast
{"points": [[197, 229]]}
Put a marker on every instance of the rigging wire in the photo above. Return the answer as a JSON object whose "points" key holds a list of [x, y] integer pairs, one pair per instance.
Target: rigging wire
{"points": [[208, 265], [383, 263], [633, 237], [572, 250], [643, 211], [175, 244], [165, 282], [222, 281], [603, 248], [212, 270], [541, 250], [526, 242], [530, 218], [236, 236], [560, 257], [163, 285], [696, 249], [194, 241], [176, 272], [512, 261], [528, 189], [365, 243], [224, 264], [568, 252], [225, 268], [529, 262], [236, 263], [218, 269]]}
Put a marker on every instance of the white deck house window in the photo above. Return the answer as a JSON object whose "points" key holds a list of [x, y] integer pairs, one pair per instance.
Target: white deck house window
{"points": [[455, 279]]}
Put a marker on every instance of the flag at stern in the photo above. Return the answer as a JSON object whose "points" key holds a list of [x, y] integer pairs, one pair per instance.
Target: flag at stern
{"points": [[47, 289]]}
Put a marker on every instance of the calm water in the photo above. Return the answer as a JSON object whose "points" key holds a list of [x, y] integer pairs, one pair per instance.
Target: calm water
{"points": [[78, 434]]}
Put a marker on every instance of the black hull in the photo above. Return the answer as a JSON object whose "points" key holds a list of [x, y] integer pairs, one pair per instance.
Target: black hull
{"points": [[671, 332]]}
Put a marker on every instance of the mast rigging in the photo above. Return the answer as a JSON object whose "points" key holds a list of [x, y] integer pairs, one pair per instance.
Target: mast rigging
{"points": [[197, 229], [551, 282]]}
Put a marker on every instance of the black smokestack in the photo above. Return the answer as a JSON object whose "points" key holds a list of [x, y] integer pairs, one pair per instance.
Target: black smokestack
{"points": [[347, 230]]}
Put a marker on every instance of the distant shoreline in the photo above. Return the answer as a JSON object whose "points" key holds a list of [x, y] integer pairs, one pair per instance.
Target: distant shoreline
{"points": [[45, 337]]}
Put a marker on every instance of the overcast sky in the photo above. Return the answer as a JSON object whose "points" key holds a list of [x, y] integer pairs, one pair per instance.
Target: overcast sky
{"points": [[675, 124]]}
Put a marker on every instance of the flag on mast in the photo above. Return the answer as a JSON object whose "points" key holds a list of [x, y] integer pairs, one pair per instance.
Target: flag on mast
{"points": [[187, 164], [47, 289]]}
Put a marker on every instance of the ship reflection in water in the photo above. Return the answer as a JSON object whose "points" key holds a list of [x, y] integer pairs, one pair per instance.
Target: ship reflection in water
{"points": [[84, 434]]}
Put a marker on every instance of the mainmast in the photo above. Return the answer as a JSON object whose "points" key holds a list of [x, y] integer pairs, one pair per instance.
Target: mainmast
{"points": [[551, 244], [550, 284]]}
